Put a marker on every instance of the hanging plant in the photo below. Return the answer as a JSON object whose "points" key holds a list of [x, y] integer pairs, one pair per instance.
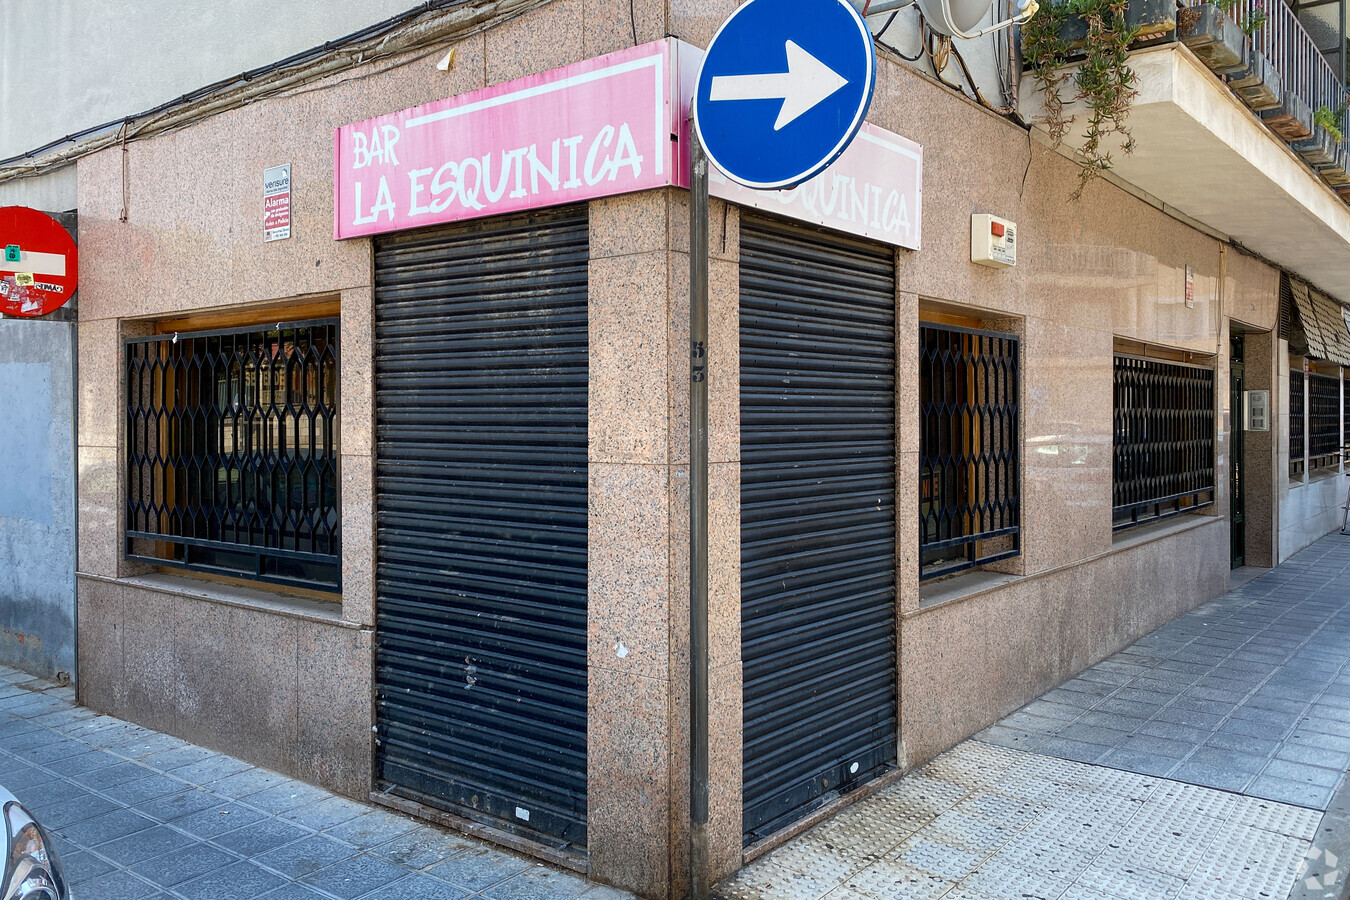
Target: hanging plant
{"points": [[1254, 21], [1331, 121], [1103, 81]]}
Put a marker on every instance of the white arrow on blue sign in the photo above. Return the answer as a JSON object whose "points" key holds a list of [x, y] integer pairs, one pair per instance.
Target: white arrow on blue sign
{"points": [[784, 88]]}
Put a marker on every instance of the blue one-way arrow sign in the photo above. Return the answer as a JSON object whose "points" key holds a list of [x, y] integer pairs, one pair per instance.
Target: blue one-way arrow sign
{"points": [[784, 88]]}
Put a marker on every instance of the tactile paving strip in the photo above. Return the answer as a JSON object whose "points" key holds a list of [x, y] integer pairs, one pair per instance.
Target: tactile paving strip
{"points": [[1175, 798], [1176, 857], [895, 881], [916, 797], [971, 832], [1280, 818], [971, 765], [765, 878], [819, 859], [1035, 767], [859, 837], [1105, 834], [1037, 851], [1129, 881], [1006, 811], [1003, 879], [935, 855], [1115, 781], [1249, 862]]}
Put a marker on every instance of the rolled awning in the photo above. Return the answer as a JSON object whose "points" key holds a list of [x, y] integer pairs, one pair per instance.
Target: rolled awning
{"points": [[1325, 323]]}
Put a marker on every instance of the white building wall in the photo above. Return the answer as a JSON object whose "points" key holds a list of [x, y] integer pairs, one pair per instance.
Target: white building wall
{"points": [[67, 65], [1312, 504]]}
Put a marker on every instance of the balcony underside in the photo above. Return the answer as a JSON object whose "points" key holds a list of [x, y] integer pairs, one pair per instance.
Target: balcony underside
{"points": [[1201, 151]]}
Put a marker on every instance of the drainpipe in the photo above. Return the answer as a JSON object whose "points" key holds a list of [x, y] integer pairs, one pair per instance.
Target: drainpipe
{"points": [[699, 881]]}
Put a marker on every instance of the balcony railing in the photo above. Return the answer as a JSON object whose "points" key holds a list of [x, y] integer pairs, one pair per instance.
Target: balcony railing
{"points": [[1303, 69]]}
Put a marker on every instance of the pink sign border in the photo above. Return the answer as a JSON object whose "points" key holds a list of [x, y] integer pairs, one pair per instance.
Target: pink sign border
{"points": [[675, 67], [659, 55]]}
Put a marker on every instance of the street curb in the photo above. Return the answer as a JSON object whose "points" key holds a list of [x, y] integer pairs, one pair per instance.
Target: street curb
{"points": [[1332, 841]]}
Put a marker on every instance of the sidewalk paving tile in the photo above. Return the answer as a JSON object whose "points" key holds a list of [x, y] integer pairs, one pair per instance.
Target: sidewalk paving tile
{"points": [[354, 877], [260, 835], [423, 848], [183, 864], [1198, 765], [305, 856], [240, 881], [478, 868], [1194, 764]]}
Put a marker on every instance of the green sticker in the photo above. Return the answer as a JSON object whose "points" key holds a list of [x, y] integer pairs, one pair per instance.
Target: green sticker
{"points": [[11, 253]]}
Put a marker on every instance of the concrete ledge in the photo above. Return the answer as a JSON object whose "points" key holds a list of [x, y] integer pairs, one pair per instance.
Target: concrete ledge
{"points": [[1160, 530], [962, 587]]}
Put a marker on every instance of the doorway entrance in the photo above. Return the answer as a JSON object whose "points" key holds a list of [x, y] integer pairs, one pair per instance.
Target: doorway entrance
{"points": [[1236, 512]]}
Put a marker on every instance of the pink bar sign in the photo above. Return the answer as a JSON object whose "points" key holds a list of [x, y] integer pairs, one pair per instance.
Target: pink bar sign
{"points": [[591, 129], [874, 190]]}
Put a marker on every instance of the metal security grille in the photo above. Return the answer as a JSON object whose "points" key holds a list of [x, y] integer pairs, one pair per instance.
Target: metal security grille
{"points": [[817, 518], [969, 510], [1324, 420], [481, 501], [1164, 439], [232, 452], [1296, 410]]}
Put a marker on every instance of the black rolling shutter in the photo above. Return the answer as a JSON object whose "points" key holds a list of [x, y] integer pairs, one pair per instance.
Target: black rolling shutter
{"points": [[481, 410], [818, 564]]}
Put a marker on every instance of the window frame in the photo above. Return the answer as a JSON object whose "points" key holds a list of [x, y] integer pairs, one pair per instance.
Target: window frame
{"points": [[1324, 444], [1123, 455], [957, 543], [197, 463], [1298, 426]]}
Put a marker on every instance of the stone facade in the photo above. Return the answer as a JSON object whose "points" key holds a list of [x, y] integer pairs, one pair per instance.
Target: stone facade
{"points": [[286, 682]]}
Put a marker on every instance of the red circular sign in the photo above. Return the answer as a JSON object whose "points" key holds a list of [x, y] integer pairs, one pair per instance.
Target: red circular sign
{"points": [[39, 266]]}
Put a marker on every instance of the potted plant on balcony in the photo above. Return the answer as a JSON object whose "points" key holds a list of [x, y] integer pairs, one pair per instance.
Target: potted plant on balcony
{"points": [[1337, 175], [1292, 119], [1103, 81], [1213, 34], [1148, 20], [1320, 148], [1258, 83]]}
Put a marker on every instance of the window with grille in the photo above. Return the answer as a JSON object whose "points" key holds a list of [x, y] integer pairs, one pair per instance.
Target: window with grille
{"points": [[1295, 424], [969, 478], [1324, 420], [1163, 439], [232, 441]]}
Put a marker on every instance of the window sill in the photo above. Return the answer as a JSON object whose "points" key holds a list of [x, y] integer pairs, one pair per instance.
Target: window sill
{"points": [[278, 604], [1156, 531], [977, 583], [1322, 474], [962, 587]]}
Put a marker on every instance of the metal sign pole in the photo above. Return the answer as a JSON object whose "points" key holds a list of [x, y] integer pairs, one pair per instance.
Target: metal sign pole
{"points": [[698, 522]]}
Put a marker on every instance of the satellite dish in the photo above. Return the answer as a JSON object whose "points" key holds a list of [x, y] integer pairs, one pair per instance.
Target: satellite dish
{"points": [[957, 18]]}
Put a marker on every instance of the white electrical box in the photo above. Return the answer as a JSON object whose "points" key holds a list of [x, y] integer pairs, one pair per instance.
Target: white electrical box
{"points": [[993, 241], [1258, 410]]}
